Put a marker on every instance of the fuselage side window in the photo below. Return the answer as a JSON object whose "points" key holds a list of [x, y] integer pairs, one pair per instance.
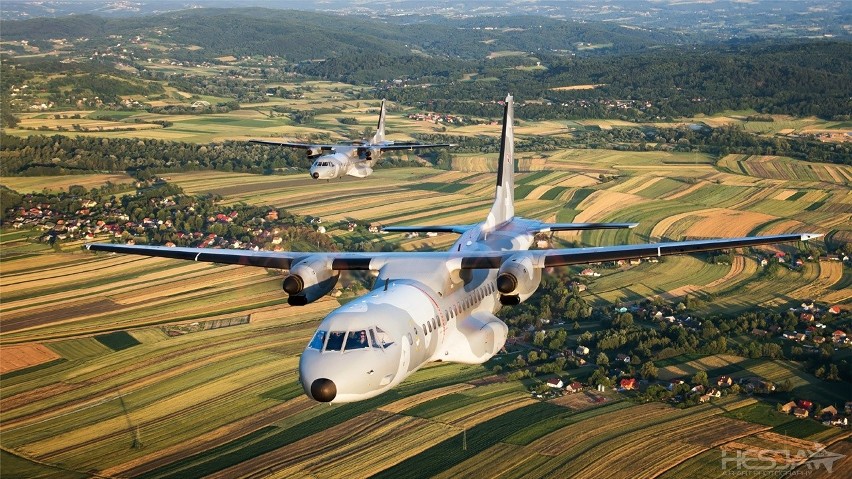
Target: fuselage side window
{"points": [[424, 330], [335, 341], [318, 340], [410, 340], [429, 323]]}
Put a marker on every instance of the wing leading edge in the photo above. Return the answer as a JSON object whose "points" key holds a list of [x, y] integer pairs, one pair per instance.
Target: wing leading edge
{"points": [[466, 260]]}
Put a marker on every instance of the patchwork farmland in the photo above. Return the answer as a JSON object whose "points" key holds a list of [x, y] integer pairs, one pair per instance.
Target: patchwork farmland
{"points": [[108, 353]]}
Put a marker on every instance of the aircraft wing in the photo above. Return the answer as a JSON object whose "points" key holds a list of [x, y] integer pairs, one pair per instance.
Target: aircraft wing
{"points": [[301, 146], [568, 256], [412, 146], [547, 227], [460, 229], [463, 259]]}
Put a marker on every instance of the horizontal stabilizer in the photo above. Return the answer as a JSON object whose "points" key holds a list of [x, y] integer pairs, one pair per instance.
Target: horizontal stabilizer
{"points": [[460, 229], [547, 227]]}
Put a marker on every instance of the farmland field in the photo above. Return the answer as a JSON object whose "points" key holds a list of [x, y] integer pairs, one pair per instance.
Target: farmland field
{"points": [[106, 360]]}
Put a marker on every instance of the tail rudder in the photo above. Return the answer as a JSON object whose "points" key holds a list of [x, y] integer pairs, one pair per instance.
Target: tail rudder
{"points": [[380, 128], [503, 208]]}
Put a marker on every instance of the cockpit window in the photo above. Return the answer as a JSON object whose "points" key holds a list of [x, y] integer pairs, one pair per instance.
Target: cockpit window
{"points": [[335, 341], [357, 340], [319, 339], [383, 337], [373, 340]]}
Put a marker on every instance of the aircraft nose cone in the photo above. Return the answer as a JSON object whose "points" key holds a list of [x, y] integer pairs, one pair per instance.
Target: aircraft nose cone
{"points": [[323, 390], [315, 175]]}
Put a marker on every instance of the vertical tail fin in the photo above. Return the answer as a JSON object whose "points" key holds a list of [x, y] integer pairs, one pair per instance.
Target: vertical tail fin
{"points": [[504, 199], [380, 128]]}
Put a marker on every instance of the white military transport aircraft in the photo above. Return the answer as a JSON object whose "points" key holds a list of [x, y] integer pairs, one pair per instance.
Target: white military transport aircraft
{"points": [[429, 306], [354, 159]]}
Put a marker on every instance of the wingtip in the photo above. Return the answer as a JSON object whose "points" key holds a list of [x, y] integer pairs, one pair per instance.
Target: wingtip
{"points": [[632, 225], [810, 236]]}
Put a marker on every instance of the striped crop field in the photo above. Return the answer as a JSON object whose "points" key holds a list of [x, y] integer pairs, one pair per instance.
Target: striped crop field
{"points": [[783, 168], [190, 400]]}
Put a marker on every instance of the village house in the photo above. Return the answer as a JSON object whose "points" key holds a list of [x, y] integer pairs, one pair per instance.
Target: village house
{"points": [[582, 350], [800, 412], [628, 384], [828, 413], [555, 383], [788, 407], [622, 357], [574, 387], [724, 381]]}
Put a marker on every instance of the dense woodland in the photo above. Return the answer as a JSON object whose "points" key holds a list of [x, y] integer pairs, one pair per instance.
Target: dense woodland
{"points": [[42, 155], [642, 75], [300, 35]]}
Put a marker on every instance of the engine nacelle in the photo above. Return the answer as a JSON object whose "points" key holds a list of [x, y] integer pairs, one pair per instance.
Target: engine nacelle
{"points": [[313, 152], [309, 280], [371, 153], [517, 279]]}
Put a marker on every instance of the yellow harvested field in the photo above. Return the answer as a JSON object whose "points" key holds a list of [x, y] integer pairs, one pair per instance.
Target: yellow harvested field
{"points": [[688, 191], [663, 226], [579, 181], [784, 194], [727, 222], [689, 369], [537, 192], [579, 87], [601, 203], [282, 314], [37, 184], [830, 272], [20, 356], [737, 267]]}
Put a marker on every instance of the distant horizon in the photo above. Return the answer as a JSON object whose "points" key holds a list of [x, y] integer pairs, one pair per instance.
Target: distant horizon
{"points": [[720, 18]]}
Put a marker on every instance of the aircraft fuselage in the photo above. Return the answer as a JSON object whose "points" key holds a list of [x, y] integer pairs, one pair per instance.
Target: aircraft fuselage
{"points": [[342, 163], [409, 323]]}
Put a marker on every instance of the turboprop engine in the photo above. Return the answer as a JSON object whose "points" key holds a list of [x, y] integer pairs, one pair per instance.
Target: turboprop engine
{"points": [[309, 280], [370, 153], [517, 279]]}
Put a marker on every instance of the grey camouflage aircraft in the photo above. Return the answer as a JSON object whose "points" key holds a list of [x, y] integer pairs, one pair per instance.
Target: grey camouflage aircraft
{"points": [[354, 159], [429, 306]]}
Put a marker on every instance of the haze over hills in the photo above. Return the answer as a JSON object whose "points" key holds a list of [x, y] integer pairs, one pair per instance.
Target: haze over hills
{"points": [[719, 19], [254, 31]]}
